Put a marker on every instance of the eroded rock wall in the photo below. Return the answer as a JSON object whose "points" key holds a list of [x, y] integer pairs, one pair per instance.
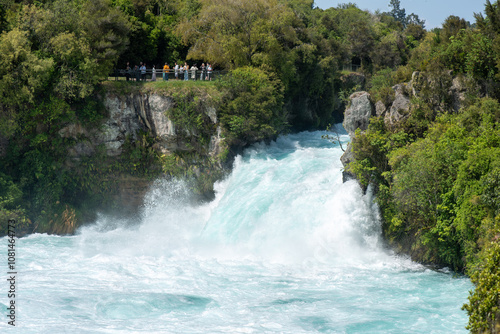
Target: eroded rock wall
{"points": [[443, 93], [128, 115]]}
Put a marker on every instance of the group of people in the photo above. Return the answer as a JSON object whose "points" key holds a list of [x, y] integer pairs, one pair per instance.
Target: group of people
{"points": [[138, 72], [184, 72]]}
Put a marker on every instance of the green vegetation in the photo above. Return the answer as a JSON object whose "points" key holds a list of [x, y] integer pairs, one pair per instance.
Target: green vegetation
{"points": [[436, 170], [286, 59], [252, 106], [435, 185]]}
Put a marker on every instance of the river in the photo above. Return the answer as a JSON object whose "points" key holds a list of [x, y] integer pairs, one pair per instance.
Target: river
{"points": [[285, 247]]}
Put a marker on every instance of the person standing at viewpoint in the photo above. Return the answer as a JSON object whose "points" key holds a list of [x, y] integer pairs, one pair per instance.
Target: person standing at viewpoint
{"points": [[186, 72], [166, 68], [143, 71], [209, 72], [202, 71], [193, 72], [153, 73], [128, 71]]}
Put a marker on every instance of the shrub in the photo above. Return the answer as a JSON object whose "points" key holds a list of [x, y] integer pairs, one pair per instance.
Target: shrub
{"points": [[252, 106]]}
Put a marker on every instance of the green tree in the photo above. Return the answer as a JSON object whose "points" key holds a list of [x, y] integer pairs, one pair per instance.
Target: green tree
{"points": [[414, 20], [84, 41], [390, 52], [252, 106], [232, 34], [398, 13], [490, 24], [490, 27], [24, 76], [105, 28], [452, 26], [483, 309], [3, 18], [362, 39], [415, 31]]}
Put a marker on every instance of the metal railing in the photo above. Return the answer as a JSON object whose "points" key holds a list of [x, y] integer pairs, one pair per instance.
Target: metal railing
{"points": [[122, 74]]}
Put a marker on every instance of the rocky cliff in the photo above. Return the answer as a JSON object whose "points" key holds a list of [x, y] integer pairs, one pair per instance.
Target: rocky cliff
{"points": [[127, 115], [130, 116], [447, 92]]}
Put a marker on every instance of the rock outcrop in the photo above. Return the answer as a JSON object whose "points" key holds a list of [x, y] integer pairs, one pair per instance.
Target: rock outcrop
{"points": [[399, 109], [460, 87], [380, 108], [127, 115], [358, 113], [442, 92], [357, 116], [346, 159]]}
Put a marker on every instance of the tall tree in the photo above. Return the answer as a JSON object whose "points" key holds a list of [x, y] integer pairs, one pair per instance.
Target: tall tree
{"points": [[452, 27], [397, 12], [491, 23], [24, 77], [235, 33], [85, 42], [490, 27], [415, 20], [106, 30], [3, 20]]}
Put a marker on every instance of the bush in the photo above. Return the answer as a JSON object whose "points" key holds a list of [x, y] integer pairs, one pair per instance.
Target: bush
{"points": [[437, 180], [483, 307], [381, 86], [252, 106]]}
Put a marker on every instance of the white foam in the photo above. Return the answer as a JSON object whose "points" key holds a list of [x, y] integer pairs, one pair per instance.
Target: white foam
{"points": [[284, 247]]}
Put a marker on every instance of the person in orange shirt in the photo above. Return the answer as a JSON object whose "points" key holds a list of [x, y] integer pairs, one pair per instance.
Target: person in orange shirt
{"points": [[166, 68]]}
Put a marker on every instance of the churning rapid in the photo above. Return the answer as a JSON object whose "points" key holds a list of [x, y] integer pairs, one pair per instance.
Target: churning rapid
{"points": [[285, 247]]}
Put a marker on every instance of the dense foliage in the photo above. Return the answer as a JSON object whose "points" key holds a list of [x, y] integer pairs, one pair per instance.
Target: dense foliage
{"points": [[286, 57], [437, 171], [252, 106]]}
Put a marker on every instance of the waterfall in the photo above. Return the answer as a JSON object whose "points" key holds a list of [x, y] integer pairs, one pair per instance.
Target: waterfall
{"points": [[285, 247]]}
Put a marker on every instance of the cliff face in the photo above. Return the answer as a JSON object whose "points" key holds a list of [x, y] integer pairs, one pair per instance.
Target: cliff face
{"points": [[425, 152], [128, 116], [131, 113], [357, 115], [447, 91]]}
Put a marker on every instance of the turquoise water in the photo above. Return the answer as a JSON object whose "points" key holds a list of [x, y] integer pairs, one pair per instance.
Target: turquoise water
{"points": [[284, 248]]}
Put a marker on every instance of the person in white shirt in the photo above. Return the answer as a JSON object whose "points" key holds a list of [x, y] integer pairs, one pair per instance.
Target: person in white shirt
{"points": [[209, 72], [193, 72]]}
